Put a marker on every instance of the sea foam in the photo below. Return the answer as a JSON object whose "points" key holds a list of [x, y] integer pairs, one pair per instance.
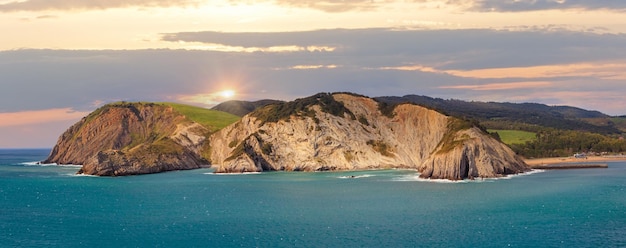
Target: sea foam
{"points": [[232, 174], [38, 163], [356, 176], [82, 175], [417, 178]]}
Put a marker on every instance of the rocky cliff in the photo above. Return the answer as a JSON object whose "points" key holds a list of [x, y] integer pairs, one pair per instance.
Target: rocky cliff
{"points": [[323, 132], [350, 132], [132, 138]]}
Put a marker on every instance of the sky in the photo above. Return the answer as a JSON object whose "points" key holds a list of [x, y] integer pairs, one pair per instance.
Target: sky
{"points": [[61, 59]]}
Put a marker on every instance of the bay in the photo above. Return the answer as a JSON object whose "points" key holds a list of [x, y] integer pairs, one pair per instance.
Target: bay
{"points": [[51, 206]]}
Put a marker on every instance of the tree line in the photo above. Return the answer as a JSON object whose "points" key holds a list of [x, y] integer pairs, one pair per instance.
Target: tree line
{"points": [[562, 143]]}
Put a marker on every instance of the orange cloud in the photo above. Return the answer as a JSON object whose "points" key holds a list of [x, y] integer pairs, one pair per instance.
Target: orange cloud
{"points": [[609, 70], [199, 46], [602, 70], [39, 116], [310, 67], [501, 86]]}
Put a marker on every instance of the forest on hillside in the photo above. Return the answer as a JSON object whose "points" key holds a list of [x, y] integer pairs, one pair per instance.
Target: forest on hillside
{"points": [[549, 142], [559, 130]]}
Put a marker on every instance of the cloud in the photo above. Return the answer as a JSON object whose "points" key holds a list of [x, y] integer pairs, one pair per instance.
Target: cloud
{"points": [[501, 86], [456, 49], [248, 49], [312, 67], [601, 70], [336, 5], [469, 5], [39, 117], [42, 79], [477, 64], [533, 5], [36, 135], [330, 6], [43, 5], [46, 17]]}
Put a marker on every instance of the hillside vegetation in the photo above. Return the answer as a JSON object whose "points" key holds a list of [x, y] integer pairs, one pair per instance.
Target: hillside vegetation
{"points": [[128, 138], [511, 137], [345, 131], [241, 108], [300, 107], [564, 130], [211, 119]]}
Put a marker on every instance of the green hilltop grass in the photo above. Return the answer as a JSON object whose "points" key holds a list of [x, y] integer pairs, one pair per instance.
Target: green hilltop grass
{"points": [[212, 119], [514, 136]]}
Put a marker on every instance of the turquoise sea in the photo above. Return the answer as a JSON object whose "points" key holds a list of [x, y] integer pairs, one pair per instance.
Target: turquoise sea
{"points": [[49, 206]]}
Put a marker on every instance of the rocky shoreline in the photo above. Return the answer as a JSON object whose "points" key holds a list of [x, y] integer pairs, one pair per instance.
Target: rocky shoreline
{"points": [[572, 162], [569, 166]]}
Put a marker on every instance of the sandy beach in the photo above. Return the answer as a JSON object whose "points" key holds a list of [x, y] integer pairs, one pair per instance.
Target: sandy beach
{"points": [[562, 160]]}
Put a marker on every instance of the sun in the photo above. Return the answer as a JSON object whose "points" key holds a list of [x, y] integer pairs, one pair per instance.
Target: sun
{"points": [[227, 93]]}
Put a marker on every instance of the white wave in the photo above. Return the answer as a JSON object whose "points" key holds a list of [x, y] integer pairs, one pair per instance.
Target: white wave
{"points": [[232, 174], [81, 175], [38, 163], [534, 171], [417, 178], [356, 176]]}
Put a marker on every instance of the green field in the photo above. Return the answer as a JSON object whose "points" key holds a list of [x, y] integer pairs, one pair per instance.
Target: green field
{"points": [[212, 119], [514, 136]]}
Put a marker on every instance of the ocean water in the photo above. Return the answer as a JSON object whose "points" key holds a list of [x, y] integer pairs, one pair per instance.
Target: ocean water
{"points": [[49, 206]]}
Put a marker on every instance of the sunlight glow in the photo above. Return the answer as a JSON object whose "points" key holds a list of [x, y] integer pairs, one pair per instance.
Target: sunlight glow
{"points": [[208, 99], [227, 93]]}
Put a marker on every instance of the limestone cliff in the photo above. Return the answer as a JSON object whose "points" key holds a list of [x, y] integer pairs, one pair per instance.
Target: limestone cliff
{"points": [[350, 132], [321, 132], [132, 138]]}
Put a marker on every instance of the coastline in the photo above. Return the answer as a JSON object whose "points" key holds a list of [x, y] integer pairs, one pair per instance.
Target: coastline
{"points": [[540, 162]]}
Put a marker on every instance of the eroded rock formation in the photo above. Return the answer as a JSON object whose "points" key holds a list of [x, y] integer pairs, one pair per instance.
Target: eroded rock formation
{"points": [[132, 138], [323, 132], [350, 132]]}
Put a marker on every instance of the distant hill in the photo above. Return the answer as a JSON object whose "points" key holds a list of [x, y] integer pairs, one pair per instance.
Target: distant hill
{"points": [[241, 108], [494, 113]]}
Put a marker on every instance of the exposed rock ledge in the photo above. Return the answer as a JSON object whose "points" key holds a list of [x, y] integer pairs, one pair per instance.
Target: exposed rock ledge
{"points": [[348, 132], [132, 138], [321, 132]]}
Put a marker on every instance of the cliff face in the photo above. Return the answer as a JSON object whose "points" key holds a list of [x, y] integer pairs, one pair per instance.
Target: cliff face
{"points": [[322, 132], [132, 138], [348, 132]]}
